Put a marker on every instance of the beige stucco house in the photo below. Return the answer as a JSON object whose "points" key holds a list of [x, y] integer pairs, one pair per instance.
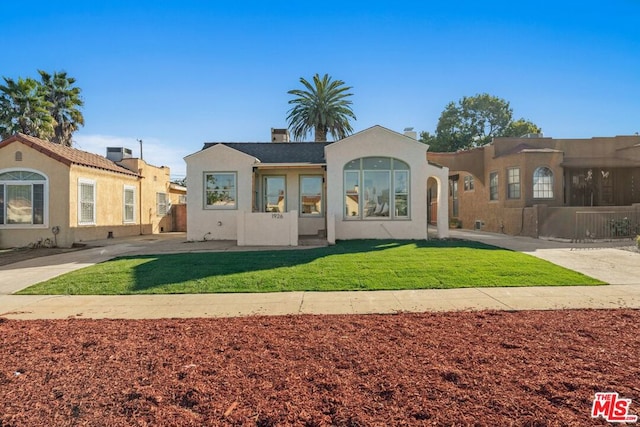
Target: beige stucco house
{"points": [[372, 184], [582, 188], [49, 191]]}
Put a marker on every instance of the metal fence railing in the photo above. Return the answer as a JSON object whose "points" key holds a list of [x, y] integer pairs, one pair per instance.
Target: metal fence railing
{"points": [[606, 225]]}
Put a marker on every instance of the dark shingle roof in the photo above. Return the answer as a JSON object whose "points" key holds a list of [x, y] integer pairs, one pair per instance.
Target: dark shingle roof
{"points": [[279, 152], [67, 155]]}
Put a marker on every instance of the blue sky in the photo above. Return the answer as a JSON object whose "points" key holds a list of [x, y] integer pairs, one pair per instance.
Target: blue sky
{"points": [[178, 73]]}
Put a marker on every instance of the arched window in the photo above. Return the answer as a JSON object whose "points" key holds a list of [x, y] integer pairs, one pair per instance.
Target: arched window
{"points": [[18, 156], [543, 183], [376, 188], [22, 198]]}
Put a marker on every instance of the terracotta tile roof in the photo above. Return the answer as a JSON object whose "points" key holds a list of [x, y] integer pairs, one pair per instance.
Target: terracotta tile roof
{"points": [[67, 155]]}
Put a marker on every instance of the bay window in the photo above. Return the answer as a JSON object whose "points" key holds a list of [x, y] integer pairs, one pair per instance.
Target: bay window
{"points": [[376, 188]]}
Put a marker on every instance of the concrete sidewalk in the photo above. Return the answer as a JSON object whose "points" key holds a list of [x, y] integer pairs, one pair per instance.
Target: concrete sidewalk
{"points": [[619, 267]]}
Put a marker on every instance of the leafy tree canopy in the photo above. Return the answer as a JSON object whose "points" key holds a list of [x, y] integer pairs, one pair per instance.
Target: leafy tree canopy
{"points": [[474, 121], [47, 109], [322, 106]]}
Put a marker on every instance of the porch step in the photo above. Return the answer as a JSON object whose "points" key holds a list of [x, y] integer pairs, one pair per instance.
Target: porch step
{"points": [[312, 241]]}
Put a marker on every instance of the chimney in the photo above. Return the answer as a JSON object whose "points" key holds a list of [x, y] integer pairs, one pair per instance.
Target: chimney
{"points": [[280, 135], [410, 133]]}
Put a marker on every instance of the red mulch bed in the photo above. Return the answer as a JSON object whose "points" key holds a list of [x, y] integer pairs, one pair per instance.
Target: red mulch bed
{"points": [[465, 368]]}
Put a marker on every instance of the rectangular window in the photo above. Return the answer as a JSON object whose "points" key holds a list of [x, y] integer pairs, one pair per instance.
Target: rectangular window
{"points": [[86, 202], [513, 183], [493, 186], [129, 204], [401, 193], [163, 204], [468, 183], [311, 195], [19, 204], [377, 185], [352, 194], [22, 204], [274, 194], [220, 190]]}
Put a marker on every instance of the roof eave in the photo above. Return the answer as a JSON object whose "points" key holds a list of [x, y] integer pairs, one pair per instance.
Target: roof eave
{"points": [[299, 165]]}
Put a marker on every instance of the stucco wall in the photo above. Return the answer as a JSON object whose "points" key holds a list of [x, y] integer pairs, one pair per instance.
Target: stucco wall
{"points": [[61, 205], [506, 215], [217, 224], [307, 225], [57, 189], [268, 229], [154, 180], [380, 142]]}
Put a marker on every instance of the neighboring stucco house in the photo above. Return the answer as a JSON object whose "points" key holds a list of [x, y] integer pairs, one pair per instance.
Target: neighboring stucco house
{"points": [[67, 195], [372, 184], [539, 186]]}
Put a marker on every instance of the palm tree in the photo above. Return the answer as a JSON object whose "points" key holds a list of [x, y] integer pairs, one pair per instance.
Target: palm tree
{"points": [[323, 107], [65, 99], [23, 109]]}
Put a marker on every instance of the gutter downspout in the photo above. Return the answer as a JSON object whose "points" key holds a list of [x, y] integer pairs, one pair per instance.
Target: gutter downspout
{"points": [[140, 201]]}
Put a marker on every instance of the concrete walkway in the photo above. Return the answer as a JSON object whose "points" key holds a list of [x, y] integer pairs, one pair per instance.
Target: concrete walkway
{"points": [[619, 267]]}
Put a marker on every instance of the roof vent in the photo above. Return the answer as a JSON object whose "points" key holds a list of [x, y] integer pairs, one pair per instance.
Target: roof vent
{"points": [[116, 154], [280, 135]]}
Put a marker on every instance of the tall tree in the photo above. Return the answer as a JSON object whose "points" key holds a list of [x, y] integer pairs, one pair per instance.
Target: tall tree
{"points": [[474, 121], [322, 107], [24, 109], [64, 100], [521, 127]]}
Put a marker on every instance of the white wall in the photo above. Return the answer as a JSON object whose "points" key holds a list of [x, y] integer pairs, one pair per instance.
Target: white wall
{"points": [[210, 224], [379, 142], [268, 229], [217, 224], [307, 225]]}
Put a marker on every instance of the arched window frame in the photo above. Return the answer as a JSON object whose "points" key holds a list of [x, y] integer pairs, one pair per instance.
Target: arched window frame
{"points": [[376, 192], [32, 186], [543, 181]]}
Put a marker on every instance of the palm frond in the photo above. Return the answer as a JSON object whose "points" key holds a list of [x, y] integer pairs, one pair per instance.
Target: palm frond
{"points": [[322, 107]]}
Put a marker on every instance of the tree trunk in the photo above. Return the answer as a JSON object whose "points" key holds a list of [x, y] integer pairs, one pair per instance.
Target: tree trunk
{"points": [[320, 134]]}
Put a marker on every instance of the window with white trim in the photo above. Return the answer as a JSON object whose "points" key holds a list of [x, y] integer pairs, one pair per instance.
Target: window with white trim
{"points": [[129, 204], [163, 204], [376, 188], [86, 202], [513, 183], [543, 183], [23, 200], [220, 190]]}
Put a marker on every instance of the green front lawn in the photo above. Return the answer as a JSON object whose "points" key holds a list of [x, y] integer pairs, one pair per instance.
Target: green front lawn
{"points": [[349, 265]]}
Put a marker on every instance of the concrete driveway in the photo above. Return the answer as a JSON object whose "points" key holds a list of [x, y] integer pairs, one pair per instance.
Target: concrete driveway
{"points": [[614, 262]]}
